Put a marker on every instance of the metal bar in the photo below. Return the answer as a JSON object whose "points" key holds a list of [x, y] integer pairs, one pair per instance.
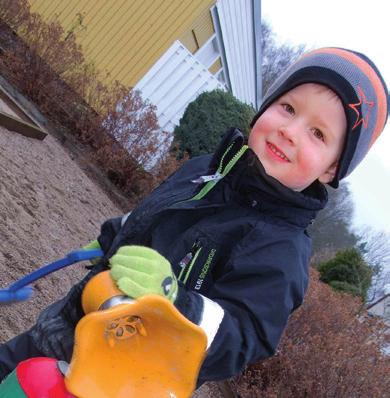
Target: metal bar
{"points": [[258, 50], [218, 31]]}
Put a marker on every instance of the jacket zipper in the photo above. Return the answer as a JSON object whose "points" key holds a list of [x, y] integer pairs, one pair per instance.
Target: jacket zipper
{"points": [[188, 261], [219, 174], [211, 180]]}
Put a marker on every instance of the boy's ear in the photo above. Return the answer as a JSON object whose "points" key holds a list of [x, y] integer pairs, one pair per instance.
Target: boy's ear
{"points": [[329, 174]]}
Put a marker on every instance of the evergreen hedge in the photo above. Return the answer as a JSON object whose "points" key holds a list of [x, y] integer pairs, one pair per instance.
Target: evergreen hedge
{"points": [[206, 119], [348, 272]]}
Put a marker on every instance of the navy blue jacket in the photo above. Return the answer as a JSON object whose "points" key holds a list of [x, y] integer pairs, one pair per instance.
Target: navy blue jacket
{"points": [[237, 244], [239, 241]]}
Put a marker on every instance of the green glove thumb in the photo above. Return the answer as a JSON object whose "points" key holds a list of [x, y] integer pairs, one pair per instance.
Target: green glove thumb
{"points": [[93, 245]]}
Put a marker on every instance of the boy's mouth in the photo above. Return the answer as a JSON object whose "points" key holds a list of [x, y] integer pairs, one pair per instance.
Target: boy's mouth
{"points": [[277, 152]]}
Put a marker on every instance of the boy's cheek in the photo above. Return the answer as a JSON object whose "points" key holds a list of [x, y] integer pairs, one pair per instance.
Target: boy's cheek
{"points": [[250, 139], [254, 138], [254, 144]]}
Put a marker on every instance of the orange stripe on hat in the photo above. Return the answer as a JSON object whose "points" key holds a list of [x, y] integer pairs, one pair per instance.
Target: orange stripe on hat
{"points": [[374, 80]]}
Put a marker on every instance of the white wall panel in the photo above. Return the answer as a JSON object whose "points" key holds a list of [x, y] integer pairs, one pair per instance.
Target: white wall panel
{"points": [[209, 52], [173, 82], [236, 24]]}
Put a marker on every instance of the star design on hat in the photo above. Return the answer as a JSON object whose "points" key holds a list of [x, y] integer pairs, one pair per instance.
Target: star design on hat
{"points": [[365, 107]]}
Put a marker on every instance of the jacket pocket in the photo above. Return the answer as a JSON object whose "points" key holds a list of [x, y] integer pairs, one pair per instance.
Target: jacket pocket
{"points": [[196, 266]]}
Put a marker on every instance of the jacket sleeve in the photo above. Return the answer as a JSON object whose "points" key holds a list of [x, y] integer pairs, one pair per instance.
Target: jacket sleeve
{"points": [[247, 308], [109, 230]]}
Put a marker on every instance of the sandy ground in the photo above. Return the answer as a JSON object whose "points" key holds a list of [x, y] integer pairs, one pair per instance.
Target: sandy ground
{"points": [[48, 207]]}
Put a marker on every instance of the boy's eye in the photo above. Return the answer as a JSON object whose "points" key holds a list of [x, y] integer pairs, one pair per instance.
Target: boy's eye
{"points": [[288, 108], [318, 134]]}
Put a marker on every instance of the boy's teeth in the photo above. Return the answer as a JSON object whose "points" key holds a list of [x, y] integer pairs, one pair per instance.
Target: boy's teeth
{"points": [[280, 154]]}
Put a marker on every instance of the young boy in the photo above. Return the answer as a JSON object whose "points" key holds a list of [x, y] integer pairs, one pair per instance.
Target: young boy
{"points": [[228, 231]]}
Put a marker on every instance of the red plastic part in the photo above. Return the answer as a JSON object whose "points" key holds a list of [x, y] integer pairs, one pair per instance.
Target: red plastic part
{"points": [[40, 378]]}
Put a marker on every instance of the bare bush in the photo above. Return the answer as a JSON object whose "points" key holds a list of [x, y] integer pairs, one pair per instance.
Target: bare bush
{"points": [[14, 12], [331, 348], [118, 128]]}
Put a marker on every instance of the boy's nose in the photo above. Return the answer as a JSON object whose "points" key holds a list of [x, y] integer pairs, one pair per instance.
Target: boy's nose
{"points": [[289, 132]]}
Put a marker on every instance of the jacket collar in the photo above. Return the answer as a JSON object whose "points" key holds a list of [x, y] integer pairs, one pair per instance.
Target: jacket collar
{"points": [[250, 184]]}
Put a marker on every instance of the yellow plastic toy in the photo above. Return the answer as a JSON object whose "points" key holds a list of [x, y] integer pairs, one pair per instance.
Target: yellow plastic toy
{"points": [[142, 348]]}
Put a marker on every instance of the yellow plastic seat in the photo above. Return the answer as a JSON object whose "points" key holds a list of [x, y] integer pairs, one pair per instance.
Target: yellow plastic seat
{"points": [[143, 349]]}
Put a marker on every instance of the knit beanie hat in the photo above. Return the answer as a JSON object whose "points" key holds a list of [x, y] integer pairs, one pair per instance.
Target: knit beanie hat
{"points": [[360, 87]]}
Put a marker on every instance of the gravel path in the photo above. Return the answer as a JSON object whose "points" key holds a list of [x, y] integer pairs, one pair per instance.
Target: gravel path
{"points": [[49, 206]]}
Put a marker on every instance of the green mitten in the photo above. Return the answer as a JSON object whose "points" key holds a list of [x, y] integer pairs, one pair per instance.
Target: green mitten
{"points": [[92, 245], [139, 271]]}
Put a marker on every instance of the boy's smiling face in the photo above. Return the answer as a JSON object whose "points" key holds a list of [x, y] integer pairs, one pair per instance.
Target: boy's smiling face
{"points": [[300, 136]]}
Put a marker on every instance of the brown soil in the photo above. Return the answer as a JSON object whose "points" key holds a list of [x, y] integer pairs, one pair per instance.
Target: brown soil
{"points": [[49, 205]]}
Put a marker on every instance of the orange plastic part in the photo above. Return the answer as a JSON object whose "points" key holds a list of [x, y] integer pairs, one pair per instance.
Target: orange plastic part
{"points": [[97, 291], [143, 349]]}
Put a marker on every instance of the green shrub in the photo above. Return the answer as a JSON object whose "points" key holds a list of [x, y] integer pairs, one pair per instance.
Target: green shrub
{"points": [[347, 271], [206, 119], [345, 287]]}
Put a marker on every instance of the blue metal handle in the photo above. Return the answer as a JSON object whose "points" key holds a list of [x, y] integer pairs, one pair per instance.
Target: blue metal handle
{"points": [[7, 296], [20, 290]]}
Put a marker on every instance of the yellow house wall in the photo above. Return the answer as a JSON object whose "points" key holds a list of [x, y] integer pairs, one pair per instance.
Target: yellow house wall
{"points": [[216, 66], [199, 32], [126, 37]]}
